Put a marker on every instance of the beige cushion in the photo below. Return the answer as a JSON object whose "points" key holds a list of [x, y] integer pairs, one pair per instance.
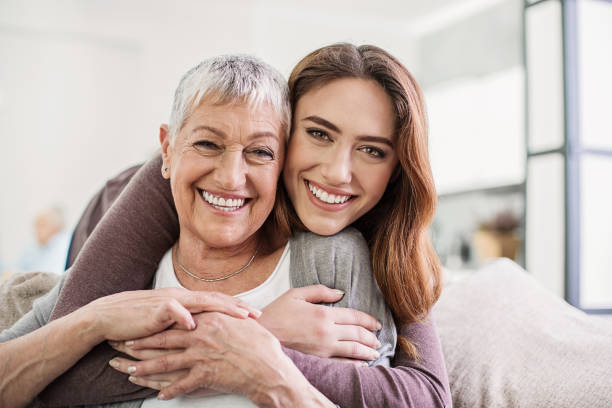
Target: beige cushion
{"points": [[510, 343], [18, 292]]}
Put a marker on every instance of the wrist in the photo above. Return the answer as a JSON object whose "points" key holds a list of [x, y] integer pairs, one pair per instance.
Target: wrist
{"points": [[87, 326], [289, 388]]}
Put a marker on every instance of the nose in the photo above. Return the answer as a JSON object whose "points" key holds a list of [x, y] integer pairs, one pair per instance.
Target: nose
{"points": [[336, 168], [231, 169]]}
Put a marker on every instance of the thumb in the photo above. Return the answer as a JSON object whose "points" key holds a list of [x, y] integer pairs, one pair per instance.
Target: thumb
{"points": [[318, 294]]}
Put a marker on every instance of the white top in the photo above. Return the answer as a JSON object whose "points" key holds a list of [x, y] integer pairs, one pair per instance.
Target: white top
{"points": [[277, 283]]}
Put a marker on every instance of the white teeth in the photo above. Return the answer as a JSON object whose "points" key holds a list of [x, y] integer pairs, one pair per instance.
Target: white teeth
{"points": [[327, 197], [223, 204]]}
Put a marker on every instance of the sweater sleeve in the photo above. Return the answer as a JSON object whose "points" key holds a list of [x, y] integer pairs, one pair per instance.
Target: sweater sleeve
{"points": [[342, 261], [122, 253], [409, 383]]}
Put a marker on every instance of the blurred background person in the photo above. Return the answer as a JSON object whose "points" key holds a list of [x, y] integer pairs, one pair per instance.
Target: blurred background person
{"points": [[49, 251]]}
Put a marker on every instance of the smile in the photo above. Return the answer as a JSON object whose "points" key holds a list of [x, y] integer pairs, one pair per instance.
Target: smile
{"points": [[327, 197], [221, 203]]}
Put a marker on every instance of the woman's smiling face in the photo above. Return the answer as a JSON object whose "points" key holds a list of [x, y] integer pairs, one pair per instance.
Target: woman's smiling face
{"points": [[341, 153], [224, 166]]}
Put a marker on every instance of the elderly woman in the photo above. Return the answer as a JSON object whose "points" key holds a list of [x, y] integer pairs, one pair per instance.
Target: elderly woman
{"points": [[223, 153]]}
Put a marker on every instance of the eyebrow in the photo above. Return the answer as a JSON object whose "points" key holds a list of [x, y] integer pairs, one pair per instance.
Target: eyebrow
{"points": [[365, 138], [223, 135]]}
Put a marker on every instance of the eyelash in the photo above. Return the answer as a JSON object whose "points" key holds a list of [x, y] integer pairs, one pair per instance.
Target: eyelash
{"points": [[206, 144], [369, 150], [263, 152], [259, 151], [373, 151], [322, 135]]}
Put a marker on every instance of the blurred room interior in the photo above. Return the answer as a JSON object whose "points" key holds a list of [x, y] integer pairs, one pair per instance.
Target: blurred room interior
{"points": [[518, 93]]}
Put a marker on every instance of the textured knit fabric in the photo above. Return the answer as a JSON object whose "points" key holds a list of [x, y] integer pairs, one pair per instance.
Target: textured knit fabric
{"points": [[19, 291], [122, 253]]}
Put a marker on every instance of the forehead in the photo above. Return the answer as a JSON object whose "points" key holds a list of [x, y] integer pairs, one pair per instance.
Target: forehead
{"points": [[235, 118], [351, 103]]}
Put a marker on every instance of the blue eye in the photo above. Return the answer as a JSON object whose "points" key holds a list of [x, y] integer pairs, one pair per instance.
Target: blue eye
{"points": [[318, 134], [373, 151]]}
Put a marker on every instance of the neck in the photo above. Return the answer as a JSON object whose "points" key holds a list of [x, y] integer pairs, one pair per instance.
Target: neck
{"points": [[211, 262]]}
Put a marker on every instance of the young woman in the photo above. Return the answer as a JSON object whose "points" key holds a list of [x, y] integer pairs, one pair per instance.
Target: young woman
{"points": [[357, 156]]}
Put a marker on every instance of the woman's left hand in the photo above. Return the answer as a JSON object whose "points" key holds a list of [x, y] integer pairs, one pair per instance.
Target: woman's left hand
{"points": [[224, 354], [155, 381]]}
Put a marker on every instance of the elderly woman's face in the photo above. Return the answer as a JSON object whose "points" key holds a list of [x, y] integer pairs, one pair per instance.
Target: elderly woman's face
{"points": [[224, 166]]}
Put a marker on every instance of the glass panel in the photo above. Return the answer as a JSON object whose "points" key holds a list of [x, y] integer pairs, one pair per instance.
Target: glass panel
{"points": [[544, 76], [596, 218], [476, 136], [595, 66], [545, 223]]}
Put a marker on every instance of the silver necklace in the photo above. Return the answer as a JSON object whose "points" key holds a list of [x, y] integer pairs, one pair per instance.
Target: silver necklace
{"points": [[215, 279]]}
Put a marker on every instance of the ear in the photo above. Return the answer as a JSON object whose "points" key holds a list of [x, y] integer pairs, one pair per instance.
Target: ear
{"points": [[166, 148]]}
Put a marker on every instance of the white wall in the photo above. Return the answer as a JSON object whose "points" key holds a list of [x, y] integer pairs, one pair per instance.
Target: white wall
{"points": [[84, 85]]}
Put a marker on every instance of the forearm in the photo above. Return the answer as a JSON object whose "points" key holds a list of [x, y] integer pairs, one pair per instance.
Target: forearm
{"points": [[287, 387], [30, 362], [409, 383], [126, 246]]}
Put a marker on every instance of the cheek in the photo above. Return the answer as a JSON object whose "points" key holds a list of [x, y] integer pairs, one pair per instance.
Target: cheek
{"points": [[377, 184]]}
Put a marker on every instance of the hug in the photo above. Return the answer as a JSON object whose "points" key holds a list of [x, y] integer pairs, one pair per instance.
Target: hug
{"points": [[276, 253]]}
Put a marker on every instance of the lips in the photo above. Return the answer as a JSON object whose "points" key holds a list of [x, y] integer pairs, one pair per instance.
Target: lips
{"points": [[326, 196]]}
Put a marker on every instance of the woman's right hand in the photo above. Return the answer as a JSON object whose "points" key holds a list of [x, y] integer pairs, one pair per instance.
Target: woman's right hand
{"points": [[135, 314], [301, 324]]}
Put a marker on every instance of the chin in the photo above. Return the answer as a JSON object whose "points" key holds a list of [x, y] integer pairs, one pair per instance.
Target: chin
{"points": [[324, 228]]}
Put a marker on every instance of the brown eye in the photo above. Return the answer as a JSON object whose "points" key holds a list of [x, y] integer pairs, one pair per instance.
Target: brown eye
{"points": [[318, 134], [373, 151]]}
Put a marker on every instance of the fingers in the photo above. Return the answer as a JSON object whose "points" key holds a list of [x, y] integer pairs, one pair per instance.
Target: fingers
{"points": [[358, 334], [317, 294], [355, 317], [141, 354], [171, 312], [183, 386], [158, 381], [144, 382], [168, 339], [204, 301], [163, 364], [354, 350]]}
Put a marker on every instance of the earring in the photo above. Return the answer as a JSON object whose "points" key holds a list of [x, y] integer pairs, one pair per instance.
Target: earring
{"points": [[166, 170]]}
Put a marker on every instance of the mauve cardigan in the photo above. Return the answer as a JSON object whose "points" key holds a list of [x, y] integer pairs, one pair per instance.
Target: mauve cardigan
{"points": [[137, 229]]}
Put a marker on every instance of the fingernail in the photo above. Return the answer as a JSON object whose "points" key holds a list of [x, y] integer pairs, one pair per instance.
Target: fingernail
{"points": [[375, 355], [131, 369], [378, 326], [161, 397], [131, 378], [129, 343], [114, 363], [113, 343], [364, 364], [256, 313], [339, 292], [378, 345]]}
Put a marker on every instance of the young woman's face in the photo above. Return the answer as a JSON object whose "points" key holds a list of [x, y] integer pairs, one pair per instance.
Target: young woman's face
{"points": [[341, 153]]}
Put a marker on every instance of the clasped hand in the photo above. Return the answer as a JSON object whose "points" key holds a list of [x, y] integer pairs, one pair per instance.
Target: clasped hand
{"points": [[231, 355]]}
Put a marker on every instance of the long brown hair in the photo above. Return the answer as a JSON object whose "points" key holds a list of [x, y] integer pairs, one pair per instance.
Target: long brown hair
{"points": [[403, 260]]}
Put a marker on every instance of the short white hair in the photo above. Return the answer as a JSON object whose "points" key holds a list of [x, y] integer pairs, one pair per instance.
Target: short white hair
{"points": [[230, 79]]}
